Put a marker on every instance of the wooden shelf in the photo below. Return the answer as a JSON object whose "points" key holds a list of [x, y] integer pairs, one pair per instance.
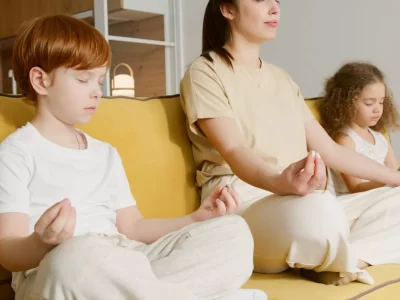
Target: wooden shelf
{"points": [[14, 12]]}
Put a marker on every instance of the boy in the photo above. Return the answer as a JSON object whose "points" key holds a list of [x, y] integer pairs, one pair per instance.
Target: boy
{"points": [[95, 244]]}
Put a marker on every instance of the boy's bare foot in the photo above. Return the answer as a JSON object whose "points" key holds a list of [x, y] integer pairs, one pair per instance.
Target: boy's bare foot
{"points": [[328, 278]]}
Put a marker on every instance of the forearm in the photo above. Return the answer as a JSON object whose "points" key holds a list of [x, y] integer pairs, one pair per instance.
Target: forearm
{"points": [[21, 254], [349, 162], [365, 186], [252, 169], [149, 230]]}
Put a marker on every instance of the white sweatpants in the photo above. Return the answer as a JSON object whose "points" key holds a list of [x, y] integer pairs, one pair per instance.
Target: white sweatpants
{"points": [[202, 261], [319, 231]]}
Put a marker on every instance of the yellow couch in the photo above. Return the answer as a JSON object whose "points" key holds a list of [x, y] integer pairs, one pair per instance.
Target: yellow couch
{"points": [[151, 138]]}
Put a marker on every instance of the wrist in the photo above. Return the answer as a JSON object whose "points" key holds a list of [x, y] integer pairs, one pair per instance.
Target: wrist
{"points": [[39, 244], [277, 185], [196, 217]]}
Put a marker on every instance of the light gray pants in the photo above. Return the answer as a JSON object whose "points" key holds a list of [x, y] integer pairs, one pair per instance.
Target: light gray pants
{"points": [[320, 231], [201, 261]]}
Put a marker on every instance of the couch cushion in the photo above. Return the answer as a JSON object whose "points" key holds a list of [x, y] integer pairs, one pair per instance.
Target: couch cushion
{"points": [[151, 138]]}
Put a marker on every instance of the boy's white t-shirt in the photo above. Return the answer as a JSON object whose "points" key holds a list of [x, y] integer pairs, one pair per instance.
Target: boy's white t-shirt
{"points": [[35, 173]]}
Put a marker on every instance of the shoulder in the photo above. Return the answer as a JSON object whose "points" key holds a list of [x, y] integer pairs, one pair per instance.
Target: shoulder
{"points": [[380, 137], [203, 63], [205, 73], [345, 140], [16, 152], [19, 142], [205, 66], [379, 134]]}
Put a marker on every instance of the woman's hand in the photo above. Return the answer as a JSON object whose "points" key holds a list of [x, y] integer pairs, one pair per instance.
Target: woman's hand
{"points": [[303, 177]]}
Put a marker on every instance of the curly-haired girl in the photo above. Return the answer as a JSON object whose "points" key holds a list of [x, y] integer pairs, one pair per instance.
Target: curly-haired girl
{"points": [[356, 111]]}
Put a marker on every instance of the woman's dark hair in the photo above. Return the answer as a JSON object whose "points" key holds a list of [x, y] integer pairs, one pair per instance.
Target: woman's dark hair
{"points": [[216, 30]]}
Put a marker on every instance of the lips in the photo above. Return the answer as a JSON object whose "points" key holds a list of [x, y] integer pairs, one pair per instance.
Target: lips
{"points": [[273, 24], [90, 108]]}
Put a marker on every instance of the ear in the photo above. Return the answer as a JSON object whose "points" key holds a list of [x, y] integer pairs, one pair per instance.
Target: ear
{"points": [[228, 11], [40, 80]]}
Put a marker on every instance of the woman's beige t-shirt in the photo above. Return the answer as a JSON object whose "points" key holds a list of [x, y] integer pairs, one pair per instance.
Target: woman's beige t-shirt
{"points": [[265, 103]]}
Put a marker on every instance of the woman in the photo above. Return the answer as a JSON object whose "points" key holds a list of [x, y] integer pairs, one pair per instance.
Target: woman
{"points": [[251, 129]]}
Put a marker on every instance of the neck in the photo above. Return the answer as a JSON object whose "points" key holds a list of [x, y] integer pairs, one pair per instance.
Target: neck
{"points": [[243, 51], [358, 127], [54, 129]]}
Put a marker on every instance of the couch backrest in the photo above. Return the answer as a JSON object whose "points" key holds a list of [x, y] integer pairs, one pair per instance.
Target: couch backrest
{"points": [[151, 138]]}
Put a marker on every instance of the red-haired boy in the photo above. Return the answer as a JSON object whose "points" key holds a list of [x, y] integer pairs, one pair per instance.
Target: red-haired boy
{"points": [[69, 226]]}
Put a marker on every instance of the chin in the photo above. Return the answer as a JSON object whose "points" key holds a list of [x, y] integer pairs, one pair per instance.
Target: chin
{"points": [[372, 124], [269, 37], [83, 121]]}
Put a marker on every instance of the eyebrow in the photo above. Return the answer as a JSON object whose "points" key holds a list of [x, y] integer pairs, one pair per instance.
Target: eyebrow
{"points": [[90, 72], [373, 99]]}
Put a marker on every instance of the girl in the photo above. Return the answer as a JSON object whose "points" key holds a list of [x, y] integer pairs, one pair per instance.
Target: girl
{"points": [[251, 128], [356, 111]]}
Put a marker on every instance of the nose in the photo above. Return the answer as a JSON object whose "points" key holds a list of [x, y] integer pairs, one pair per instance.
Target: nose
{"points": [[97, 92], [378, 109], [274, 9]]}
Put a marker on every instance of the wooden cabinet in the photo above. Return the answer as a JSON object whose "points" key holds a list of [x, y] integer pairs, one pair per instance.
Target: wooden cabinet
{"points": [[14, 12]]}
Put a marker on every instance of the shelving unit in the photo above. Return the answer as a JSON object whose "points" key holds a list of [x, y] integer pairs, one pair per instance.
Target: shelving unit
{"points": [[111, 12], [157, 56]]}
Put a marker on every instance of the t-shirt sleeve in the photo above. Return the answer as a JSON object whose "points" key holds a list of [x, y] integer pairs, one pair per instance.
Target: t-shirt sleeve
{"points": [[202, 93], [307, 114], [16, 171], [123, 195]]}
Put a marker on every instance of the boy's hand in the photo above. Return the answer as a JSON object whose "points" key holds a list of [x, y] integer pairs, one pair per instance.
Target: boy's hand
{"points": [[57, 224], [222, 201]]}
